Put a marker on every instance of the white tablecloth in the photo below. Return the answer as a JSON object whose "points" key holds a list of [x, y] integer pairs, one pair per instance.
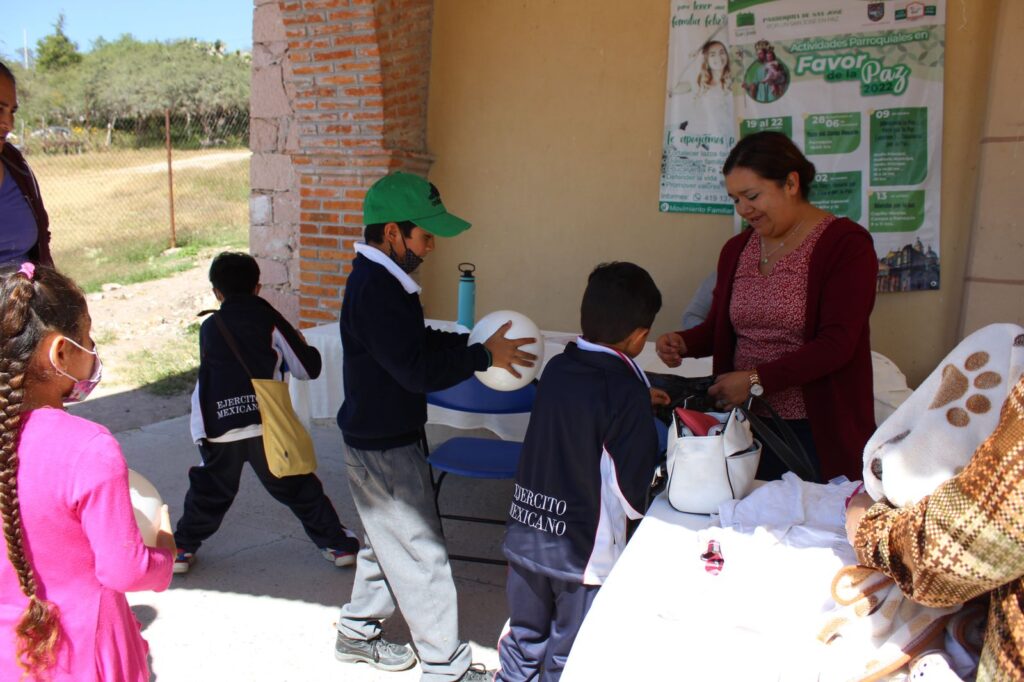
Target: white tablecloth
{"points": [[661, 616], [322, 397]]}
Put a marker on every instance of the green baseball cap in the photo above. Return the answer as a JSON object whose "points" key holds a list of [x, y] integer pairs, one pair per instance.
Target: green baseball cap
{"points": [[404, 196]]}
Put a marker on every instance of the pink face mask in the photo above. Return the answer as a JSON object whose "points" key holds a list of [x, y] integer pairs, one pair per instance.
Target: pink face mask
{"points": [[83, 387]]}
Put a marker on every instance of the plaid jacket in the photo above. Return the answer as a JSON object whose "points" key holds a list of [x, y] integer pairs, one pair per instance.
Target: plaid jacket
{"points": [[965, 540]]}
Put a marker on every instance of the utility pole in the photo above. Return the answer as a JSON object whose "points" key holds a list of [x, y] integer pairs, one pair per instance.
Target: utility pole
{"points": [[24, 53]]}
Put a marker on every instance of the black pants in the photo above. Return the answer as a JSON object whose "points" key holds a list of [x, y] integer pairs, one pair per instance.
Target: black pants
{"points": [[771, 467], [213, 486]]}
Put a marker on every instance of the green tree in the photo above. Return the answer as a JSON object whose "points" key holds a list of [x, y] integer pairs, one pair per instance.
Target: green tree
{"points": [[56, 52]]}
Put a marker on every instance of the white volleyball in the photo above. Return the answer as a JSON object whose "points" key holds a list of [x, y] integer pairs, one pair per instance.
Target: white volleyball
{"points": [[146, 503], [522, 327]]}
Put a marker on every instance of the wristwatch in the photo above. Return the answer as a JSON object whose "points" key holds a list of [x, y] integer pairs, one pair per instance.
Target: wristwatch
{"points": [[756, 389]]}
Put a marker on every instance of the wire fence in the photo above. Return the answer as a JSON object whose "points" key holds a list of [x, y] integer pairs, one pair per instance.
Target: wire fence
{"points": [[108, 191]]}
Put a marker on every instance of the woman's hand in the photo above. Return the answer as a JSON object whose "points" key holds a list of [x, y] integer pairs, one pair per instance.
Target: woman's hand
{"points": [[506, 353], [855, 510], [164, 536], [731, 389], [670, 348], [659, 397]]}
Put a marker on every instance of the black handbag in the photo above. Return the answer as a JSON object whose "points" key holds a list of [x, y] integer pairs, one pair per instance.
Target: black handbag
{"points": [[692, 390]]}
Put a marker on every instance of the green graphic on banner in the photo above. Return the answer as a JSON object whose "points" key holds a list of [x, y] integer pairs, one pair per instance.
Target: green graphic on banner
{"points": [[838, 193], [832, 133], [736, 5], [895, 211], [780, 124], [691, 207], [899, 146]]}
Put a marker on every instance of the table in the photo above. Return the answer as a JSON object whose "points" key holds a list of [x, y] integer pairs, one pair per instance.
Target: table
{"points": [[321, 398], [661, 616]]}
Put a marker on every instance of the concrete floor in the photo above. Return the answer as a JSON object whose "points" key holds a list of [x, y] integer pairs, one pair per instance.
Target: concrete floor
{"points": [[260, 603]]}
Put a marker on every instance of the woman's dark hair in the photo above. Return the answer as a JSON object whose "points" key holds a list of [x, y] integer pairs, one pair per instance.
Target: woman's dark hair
{"points": [[30, 308], [773, 156], [374, 234], [234, 273], [620, 298], [4, 71]]}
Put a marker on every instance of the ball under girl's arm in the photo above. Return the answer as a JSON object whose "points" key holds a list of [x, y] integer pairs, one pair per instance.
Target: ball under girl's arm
{"points": [[122, 561]]}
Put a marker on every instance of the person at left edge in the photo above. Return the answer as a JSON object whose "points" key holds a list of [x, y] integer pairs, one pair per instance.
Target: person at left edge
{"points": [[391, 361], [24, 224]]}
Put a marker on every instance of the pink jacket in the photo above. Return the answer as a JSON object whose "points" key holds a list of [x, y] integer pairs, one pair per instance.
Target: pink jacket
{"points": [[81, 538]]}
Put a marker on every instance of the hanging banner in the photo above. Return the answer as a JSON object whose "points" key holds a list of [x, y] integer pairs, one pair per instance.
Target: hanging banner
{"points": [[858, 86], [699, 125]]}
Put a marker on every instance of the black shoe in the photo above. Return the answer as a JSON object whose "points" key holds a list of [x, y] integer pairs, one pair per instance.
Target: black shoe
{"points": [[377, 652], [477, 673]]}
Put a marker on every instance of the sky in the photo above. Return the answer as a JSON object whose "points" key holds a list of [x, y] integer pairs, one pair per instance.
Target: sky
{"points": [[85, 20]]}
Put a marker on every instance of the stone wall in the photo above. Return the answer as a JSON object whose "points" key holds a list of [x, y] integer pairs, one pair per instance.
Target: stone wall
{"points": [[339, 98]]}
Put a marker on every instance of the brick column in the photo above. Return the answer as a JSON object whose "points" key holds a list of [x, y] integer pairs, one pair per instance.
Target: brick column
{"points": [[339, 99]]}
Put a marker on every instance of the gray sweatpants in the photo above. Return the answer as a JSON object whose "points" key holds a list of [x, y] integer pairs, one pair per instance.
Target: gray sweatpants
{"points": [[403, 560]]}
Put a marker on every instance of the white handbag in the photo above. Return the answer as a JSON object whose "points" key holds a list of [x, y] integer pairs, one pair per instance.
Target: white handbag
{"points": [[705, 471]]}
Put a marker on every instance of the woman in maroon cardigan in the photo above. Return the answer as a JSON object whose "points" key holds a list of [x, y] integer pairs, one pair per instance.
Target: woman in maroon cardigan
{"points": [[790, 313]]}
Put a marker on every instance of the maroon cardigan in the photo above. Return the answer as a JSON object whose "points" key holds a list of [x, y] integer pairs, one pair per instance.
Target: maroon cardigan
{"points": [[833, 367], [15, 164]]}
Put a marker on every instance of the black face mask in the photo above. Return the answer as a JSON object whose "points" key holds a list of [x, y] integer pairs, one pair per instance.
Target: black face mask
{"points": [[410, 262]]}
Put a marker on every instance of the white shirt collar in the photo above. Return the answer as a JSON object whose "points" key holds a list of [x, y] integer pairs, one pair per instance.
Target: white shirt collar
{"points": [[381, 258], [583, 344]]}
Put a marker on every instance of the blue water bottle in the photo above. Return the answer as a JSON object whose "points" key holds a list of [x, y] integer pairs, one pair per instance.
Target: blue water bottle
{"points": [[467, 295]]}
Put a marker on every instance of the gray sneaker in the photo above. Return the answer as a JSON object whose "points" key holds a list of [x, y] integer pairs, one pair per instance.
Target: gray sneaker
{"points": [[377, 652], [477, 673]]}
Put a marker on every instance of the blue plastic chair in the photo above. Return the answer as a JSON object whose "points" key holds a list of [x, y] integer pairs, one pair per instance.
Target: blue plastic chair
{"points": [[477, 457]]}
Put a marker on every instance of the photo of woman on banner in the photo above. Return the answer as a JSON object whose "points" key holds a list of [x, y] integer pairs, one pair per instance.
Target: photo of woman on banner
{"points": [[715, 77], [704, 106]]}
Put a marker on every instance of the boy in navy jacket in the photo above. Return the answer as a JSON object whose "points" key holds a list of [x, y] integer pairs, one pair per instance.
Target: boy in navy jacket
{"points": [[226, 420], [587, 462], [391, 360]]}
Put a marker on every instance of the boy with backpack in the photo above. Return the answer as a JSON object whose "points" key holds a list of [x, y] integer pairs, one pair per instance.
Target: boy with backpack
{"points": [[226, 419]]}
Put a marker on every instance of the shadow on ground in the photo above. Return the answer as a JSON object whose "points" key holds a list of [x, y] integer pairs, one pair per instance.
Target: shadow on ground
{"points": [[261, 551], [138, 407]]}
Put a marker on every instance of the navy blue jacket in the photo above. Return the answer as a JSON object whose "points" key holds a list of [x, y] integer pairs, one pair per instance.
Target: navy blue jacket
{"points": [[587, 463], [224, 399], [391, 360]]}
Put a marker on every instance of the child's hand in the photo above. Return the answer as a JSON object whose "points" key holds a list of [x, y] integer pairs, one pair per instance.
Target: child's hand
{"points": [[506, 352], [165, 536], [659, 397]]}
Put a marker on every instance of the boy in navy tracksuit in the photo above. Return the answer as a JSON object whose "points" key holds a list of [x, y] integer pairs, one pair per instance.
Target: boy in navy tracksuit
{"points": [[226, 420], [391, 360], [587, 462]]}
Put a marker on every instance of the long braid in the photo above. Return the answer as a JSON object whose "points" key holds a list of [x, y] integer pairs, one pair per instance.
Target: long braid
{"points": [[26, 315]]}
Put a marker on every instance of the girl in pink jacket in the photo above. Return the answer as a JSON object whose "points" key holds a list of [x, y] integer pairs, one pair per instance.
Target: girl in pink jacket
{"points": [[73, 548]]}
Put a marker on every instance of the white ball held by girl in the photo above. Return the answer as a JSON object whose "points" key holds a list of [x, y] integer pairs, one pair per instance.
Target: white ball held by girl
{"points": [[146, 503], [522, 327]]}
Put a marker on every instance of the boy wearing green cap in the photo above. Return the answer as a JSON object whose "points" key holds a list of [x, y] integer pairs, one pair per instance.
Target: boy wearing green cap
{"points": [[391, 361]]}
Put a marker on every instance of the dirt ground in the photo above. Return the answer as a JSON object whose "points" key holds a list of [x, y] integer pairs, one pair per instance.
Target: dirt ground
{"points": [[130, 318], [204, 161]]}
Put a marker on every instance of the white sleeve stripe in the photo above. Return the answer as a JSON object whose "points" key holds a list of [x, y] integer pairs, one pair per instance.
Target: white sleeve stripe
{"points": [[196, 424], [613, 484], [610, 534], [285, 351]]}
